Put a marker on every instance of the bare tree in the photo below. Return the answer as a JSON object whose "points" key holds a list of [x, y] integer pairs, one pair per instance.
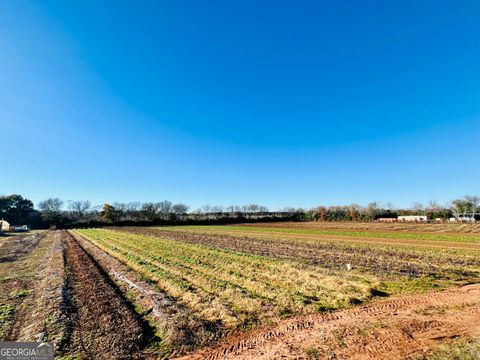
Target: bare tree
{"points": [[468, 204], [473, 200], [79, 208], [371, 211], [433, 205], [389, 206], [132, 210], [51, 209], [217, 209], [149, 211], [233, 209], [418, 207], [164, 209], [206, 209], [179, 209]]}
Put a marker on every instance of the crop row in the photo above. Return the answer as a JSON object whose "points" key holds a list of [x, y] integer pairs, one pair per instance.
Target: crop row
{"points": [[379, 259], [438, 228], [332, 232], [230, 287]]}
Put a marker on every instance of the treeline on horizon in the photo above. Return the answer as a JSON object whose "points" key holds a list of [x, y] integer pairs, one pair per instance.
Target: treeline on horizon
{"points": [[18, 210]]}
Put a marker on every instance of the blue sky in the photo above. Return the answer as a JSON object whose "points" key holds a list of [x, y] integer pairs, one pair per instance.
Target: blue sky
{"points": [[281, 103]]}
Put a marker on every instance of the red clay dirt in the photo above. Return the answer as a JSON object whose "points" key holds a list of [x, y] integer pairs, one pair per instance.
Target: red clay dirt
{"points": [[388, 329]]}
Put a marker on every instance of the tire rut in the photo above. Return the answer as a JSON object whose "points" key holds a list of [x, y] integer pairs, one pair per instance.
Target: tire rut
{"points": [[407, 325]]}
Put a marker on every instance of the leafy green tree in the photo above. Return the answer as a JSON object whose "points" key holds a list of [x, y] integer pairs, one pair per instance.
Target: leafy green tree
{"points": [[15, 209], [110, 213]]}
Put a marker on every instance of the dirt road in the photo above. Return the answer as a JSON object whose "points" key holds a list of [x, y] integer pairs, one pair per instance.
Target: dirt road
{"points": [[393, 329]]}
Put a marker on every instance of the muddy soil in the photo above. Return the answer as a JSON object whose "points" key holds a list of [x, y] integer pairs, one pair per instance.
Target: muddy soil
{"points": [[390, 329]]}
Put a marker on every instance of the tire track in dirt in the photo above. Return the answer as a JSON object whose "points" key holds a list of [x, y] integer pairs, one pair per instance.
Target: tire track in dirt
{"points": [[392, 329], [103, 323]]}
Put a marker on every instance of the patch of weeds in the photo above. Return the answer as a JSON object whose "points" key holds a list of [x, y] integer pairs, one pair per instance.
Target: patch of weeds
{"points": [[362, 332], [377, 293], [354, 301], [340, 339], [20, 294], [306, 299], [159, 347], [285, 313], [378, 325], [67, 269], [250, 322], [6, 313], [349, 289], [312, 353], [464, 350], [49, 320], [417, 285], [325, 307], [6, 316]]}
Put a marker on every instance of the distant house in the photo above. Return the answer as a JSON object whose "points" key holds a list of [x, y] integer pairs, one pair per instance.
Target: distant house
{"points": [[413, 218], [4, 225], [387, 220]]}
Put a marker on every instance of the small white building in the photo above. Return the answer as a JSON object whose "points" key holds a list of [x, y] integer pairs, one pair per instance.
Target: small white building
{"points": [[413, 218], [4, 225], [467, 217]]}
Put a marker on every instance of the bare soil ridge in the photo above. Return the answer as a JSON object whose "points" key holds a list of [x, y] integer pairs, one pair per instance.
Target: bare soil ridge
{"points": [[104, 326]]}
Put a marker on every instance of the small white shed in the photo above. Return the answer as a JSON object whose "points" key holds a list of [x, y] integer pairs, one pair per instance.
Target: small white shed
{"points": [[4, 225]]}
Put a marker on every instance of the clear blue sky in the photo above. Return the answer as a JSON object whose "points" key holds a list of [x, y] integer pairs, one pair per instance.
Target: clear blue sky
{"points": [[281, 103]]}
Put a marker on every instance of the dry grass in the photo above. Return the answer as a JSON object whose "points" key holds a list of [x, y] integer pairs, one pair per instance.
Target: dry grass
{"points": [[237, 289], [20, 258]]}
